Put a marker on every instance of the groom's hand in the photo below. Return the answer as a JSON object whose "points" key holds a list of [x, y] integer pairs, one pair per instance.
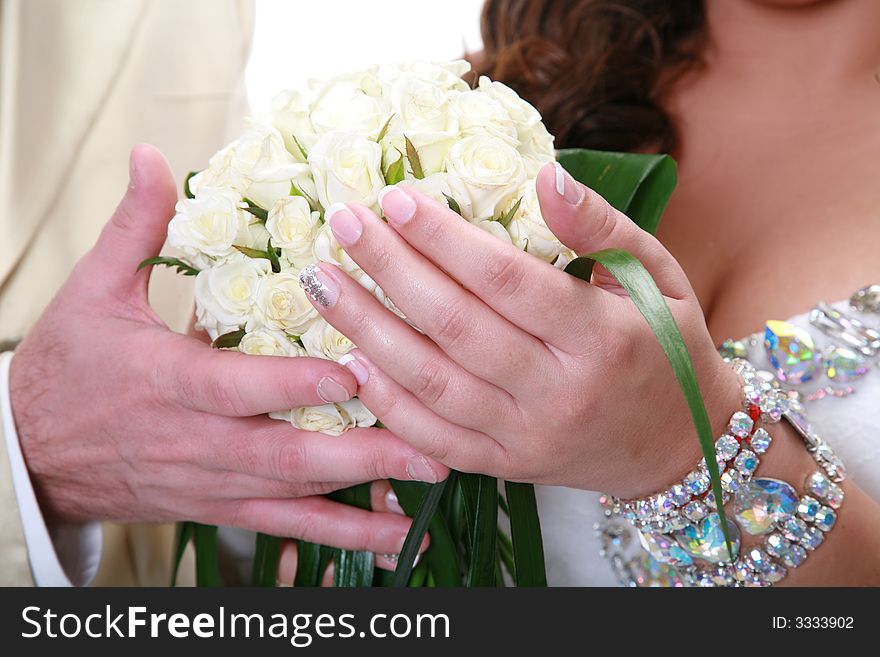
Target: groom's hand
{"points": [[122, 419]]}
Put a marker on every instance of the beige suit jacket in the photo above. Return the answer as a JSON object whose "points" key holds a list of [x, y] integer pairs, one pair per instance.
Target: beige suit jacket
{"points": [[80, 83]]}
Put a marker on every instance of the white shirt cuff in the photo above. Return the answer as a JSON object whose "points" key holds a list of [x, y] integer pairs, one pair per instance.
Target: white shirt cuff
{"points": [[70, 554]]}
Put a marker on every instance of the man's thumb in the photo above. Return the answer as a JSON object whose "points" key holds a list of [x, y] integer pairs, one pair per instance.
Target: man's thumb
{"points": [[138, 227]]}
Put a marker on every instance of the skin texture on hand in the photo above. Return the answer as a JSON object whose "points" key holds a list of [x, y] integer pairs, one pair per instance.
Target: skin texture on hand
{"points": [[121, 419], [523, 371]]}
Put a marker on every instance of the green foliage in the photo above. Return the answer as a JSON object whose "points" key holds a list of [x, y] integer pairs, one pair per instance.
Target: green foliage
{"points": [[180, 265]]}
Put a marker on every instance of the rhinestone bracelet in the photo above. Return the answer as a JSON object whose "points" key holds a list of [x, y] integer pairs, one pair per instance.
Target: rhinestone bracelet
{"points": [[737, 453], [697, 555]]}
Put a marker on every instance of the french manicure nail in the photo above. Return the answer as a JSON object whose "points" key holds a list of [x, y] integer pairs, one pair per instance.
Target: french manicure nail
{"points": [[331, 391], [344, 224], [418, 469], [393, 503], [319, 286], [356, 367], [566, 186], [397, 205]]}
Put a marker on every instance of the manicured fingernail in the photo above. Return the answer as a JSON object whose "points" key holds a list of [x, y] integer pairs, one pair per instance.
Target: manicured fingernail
{"points": [[319, 286], [393, 503], [356, 367], [397, 205], [344, 224], [567, 187], [418, 469], [331, 391]]}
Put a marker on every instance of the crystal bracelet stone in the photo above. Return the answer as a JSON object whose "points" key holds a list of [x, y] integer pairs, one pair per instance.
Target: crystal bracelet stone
{"points": [[737, 453], [790, 525]]}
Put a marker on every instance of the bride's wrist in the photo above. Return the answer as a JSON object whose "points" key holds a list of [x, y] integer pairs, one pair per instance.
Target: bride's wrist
{"points": [[681, 451]]}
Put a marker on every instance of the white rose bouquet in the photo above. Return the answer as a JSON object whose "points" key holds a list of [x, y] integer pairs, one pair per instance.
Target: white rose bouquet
{"points": [[256, 214], [254, 218]]}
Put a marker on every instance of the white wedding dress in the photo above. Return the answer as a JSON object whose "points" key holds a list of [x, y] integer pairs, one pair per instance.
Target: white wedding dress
{"points": [[850, 424]]}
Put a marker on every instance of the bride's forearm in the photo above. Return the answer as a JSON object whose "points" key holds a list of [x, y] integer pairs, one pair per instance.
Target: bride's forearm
{"points": [[850, 554]]}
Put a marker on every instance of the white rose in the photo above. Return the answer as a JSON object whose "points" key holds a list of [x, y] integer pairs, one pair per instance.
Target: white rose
{"points": [[225, 294], [358, 414], [282, 305], [218, 175], [490, 170], [208, 225], [564, 259], [439, 185], [257, 237], [423, 113], [494, 228], [347, 168], [528, 230], [290, 116], [446, 75], [524, 114], [264, 342], [324, 341], [479, 113], [328, 249], [293, 227], [329, 419], [536, 143], [262, 166], [536, 147], [350, 103]]}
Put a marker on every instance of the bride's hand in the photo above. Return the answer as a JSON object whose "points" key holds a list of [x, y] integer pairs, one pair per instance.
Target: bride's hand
{"points": [[524, 372]]}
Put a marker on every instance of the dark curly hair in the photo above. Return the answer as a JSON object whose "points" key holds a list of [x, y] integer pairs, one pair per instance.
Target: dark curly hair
{"points": [[595, 69]]}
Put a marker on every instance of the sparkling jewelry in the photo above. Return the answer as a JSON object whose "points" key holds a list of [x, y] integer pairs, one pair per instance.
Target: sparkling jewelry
{"points": [[694, 552], [846, 329], [866, 300], [737, 453], [312, 285]]}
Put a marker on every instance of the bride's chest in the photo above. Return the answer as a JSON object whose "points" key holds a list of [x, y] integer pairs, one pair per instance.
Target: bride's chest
{"points": [[765, 232]]}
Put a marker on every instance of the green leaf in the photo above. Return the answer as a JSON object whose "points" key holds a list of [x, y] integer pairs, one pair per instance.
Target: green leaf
{"points": [[273, 254], [638, 185], [251, 253], [396, 171], [415, 163], [480, 493], [453, 204], [421, 520], [525, 534], [354, 568], [384, 130], [505, 553], [302, 149], [186, 190], [643, 291], [308, 561], [256, 210], [266, 556], [184, 534], [182, 267], [207, 568], [442, 555], [510, 214], [228, 340]]}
